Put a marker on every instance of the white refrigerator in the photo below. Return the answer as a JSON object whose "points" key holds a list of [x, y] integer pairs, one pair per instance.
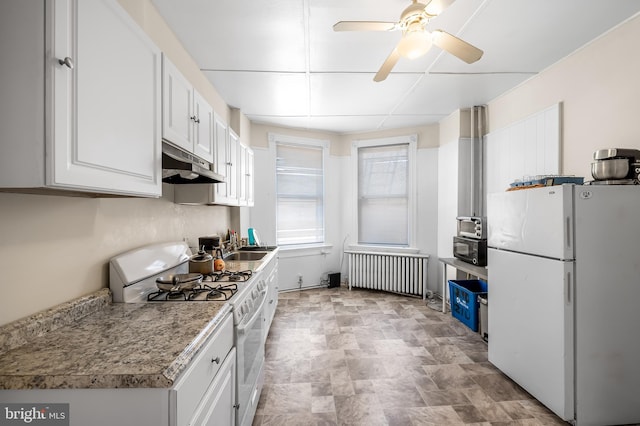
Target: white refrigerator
{"points": [[564, 298]]}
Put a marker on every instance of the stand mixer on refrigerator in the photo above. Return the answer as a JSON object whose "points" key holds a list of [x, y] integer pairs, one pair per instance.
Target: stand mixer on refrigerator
{"points": [[616, 166]]}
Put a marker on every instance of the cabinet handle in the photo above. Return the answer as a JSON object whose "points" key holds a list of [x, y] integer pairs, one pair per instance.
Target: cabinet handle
{"points": [[216, 360], [196, 119], [192, 118], [229, 164], [66, 61]]}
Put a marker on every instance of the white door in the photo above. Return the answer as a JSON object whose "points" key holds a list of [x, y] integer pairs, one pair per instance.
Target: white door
{"points": [[530, 318], [536, 221]]}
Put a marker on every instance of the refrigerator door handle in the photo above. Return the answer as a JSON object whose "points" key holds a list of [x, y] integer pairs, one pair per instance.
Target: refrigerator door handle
{"points": [[568, 231], [568, 292]]}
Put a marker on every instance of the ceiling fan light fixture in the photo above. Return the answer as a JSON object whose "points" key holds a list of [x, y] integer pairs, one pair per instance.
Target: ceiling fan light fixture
{"points": [[414, 44]]}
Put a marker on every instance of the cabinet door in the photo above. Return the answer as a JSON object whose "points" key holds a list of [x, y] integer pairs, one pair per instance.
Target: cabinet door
{"points": [[242, 182], [217, 407], [249, 178], [203, 132], [103, 113], [221, 145], [177, 107], [233, 167]]}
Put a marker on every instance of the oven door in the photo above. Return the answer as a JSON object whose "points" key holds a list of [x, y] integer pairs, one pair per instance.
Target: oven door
{"points": [[250, 353]]}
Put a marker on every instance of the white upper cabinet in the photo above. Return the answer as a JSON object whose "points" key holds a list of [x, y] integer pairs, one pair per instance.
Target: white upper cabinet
{"points": [[177, 107], [245, 176], [82, 95], [187, 118], [203, 145], [249, 178], [234, 161], [222, 192], [233, 166]]}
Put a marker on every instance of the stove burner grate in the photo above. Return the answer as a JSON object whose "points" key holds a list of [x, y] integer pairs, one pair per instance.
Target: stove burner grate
{"points": [[233, 276], [167, 295], [201, 293]]}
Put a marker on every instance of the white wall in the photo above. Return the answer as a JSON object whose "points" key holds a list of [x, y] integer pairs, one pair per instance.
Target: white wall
{"points": [[340, 207], [599, 87], [54, 249]]}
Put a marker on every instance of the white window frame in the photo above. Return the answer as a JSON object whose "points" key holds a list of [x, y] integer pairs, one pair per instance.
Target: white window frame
{"points": [[274, 140], [412, 141]]}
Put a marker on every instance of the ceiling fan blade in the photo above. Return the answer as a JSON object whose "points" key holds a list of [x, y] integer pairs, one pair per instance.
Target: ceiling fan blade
{"points": [[435, 7], [387, 66], [364, 26], [457, 47]]}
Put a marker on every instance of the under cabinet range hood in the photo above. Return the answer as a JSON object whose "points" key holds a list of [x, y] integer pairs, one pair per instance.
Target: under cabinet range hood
{"points": [[181, 167]]}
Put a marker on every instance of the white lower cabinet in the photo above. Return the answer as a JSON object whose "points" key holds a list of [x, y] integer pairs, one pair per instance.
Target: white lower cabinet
{"points": [[208, 383], [204, 394], [218, 406], [80, 98], [271, 278]]}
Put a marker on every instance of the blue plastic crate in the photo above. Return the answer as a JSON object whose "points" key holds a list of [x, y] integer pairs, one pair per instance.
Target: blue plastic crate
{"points": [[464, 300]]}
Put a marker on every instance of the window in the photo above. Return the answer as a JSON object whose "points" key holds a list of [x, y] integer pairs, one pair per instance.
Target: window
{"points": [[299, 191], [385, 201]]}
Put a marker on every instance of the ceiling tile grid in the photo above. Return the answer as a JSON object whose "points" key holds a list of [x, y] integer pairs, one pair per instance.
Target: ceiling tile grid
{"points": [[280, 61]]}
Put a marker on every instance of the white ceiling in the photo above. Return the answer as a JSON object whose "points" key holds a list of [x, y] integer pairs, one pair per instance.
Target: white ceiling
{"points": [[280, 62]]}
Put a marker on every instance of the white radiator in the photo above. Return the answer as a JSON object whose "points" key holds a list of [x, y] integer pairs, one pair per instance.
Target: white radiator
{"points": [[392, 272]]}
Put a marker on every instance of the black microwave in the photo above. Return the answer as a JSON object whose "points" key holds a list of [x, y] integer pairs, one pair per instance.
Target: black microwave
{"points": [[470, 250]]}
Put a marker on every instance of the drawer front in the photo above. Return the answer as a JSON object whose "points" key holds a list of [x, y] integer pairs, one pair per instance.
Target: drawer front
{"points": [[193, 383]]}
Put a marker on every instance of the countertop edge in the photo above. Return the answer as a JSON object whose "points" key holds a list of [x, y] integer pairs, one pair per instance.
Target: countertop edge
{"points": [[173, 371]]}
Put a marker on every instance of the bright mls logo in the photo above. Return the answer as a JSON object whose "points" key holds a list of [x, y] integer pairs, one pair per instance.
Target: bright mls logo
{"points": [[34, 414]]}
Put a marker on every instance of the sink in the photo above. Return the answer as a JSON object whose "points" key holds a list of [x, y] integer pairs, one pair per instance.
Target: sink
{"points": [[246, 255]]}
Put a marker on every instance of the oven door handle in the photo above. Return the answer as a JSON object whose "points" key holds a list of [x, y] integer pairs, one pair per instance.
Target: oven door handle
{"points": [[248, 324]]}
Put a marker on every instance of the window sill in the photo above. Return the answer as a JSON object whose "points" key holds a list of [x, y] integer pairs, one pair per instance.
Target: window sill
{"points": [[382, 249], [305, 250]]}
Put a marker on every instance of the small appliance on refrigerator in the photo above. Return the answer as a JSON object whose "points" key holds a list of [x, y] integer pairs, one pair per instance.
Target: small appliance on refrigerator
{"points": [[564, 268]]}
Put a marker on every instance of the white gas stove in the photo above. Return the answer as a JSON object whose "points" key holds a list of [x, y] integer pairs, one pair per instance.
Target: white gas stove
{"points": [[133, 278]]}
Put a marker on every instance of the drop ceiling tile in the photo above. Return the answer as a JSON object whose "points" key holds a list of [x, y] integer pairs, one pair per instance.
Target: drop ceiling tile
{"points": [[413, 120], [335, 124], [280, 60], [357, 94], [521, 35], [239, 35], [263, 93], [443, 94]]}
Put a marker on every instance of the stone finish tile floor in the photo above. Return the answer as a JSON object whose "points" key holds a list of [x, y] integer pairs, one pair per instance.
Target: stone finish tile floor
{"points": [[360, 357]]}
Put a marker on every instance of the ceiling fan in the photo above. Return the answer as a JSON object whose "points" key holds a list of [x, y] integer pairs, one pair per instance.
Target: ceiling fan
{"points": [[416, 40]]}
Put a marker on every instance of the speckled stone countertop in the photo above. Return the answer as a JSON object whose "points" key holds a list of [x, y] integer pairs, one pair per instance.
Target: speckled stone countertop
{"points": [[105, 345]]}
